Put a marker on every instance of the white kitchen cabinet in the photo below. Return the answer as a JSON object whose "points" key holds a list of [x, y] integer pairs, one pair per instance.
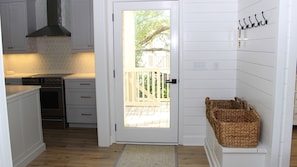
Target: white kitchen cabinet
{"points": [[81, 102], [14, 26], [82, 33], [24, 117]]}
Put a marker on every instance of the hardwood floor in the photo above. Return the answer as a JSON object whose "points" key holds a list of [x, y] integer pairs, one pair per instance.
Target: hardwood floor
{"points": [[293, 162], [76, 147]]}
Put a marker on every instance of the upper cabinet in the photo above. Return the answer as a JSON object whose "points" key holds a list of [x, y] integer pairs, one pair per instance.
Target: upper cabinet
{"points": [[14, 26], [82, 32]]}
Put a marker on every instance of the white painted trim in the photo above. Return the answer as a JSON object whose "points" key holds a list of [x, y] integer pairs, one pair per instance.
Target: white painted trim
{"points": [[181, 79], [102, 73], [104, 61], [287, 26], [5, 150]]}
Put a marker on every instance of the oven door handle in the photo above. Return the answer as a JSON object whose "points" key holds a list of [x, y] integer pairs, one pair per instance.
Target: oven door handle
{"points": [[53, 119], [85, 97]]}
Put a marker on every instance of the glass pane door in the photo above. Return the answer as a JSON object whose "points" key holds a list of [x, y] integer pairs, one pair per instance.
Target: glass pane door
{"points": [[143, 60], [146, 62]]}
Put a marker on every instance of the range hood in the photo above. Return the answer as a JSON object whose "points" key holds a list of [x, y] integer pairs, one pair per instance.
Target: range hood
{"points": [[54, 22]]}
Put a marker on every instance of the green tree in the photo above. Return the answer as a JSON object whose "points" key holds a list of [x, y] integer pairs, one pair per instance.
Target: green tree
{"points": [[152, 32]]}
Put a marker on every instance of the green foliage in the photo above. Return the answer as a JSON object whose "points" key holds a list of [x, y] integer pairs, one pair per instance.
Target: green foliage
{"points": [[152, 32]]}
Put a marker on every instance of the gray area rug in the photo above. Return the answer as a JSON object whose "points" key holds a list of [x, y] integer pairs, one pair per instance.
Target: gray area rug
{"points": [[147, 156]]}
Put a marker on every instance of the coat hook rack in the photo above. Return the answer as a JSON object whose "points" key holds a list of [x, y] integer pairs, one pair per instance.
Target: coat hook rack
{"points": [[252, 24], [240, 26], [265, 20], [246, 25], [258, 23]]}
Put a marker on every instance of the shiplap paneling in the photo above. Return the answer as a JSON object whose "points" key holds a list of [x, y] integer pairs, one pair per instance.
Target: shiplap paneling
{"points": [[256, 65], [202, 73], [208, 60], [209, 55]]}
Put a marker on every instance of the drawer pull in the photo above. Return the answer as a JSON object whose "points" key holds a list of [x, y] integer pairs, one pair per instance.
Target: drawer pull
{"points": [[84, 84], [86, 114], [85, 97]]}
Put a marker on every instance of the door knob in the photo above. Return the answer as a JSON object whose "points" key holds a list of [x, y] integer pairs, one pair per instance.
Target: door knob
{"points": [[173, 81]]}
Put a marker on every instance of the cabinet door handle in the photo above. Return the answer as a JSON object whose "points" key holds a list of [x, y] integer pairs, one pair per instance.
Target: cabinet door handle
{"points": [[84, 84], [85, 97], [9, 47], [86, 114]]}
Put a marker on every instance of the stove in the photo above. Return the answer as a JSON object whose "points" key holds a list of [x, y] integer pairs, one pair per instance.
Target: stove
{"points": [[52, 99]]}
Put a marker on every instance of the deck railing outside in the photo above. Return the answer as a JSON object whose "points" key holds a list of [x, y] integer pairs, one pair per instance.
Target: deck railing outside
{"points": [[146, 86]]}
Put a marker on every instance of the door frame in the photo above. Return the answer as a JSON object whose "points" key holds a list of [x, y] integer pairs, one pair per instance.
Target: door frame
{"points": [[120, 135], [105, 93]]}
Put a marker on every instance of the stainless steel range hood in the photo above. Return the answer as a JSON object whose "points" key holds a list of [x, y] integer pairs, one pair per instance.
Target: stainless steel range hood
{"points": [[54, 22]]}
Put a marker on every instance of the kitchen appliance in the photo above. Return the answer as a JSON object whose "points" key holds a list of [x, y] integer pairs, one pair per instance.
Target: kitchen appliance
{"points": [[54, 22], [52, 99]]}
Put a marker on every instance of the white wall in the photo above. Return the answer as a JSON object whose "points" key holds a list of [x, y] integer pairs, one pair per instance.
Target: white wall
{"points": [[5, 149], [257, 63], [208, 61], [263, 75], [212, 65]]}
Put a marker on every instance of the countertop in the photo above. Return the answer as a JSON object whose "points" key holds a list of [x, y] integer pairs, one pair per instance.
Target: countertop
{"points": [[16, 90], [81, 76], [19, 75], [72, 76]]}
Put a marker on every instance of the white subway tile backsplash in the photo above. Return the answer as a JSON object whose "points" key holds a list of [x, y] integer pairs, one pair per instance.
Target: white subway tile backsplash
{"points": [[53, 55]]}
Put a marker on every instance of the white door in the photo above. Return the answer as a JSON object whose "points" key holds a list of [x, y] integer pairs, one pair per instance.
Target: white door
{"points": [[146, 71]]}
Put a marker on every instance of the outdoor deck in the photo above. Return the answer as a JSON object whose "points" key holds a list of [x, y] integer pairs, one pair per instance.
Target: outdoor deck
{"points": [[145, 117]]}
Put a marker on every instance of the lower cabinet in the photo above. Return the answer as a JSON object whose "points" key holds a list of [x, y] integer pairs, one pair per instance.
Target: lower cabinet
{"points": [[25, 128], [81, 102]]}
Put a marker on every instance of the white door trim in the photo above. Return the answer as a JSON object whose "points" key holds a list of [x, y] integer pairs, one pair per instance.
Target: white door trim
{"points": [[172, 132]]}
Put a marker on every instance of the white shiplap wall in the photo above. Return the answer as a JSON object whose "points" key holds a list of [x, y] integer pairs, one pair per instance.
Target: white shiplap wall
{"points": [[257, 61], [261, 76], [208, 61]]}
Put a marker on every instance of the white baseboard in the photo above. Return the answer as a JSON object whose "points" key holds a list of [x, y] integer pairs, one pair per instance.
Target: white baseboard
{"points": [[193, 141]]}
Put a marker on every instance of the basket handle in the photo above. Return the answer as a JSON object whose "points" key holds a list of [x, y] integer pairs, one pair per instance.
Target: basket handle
{"points": [[207, 101], [250, 107]]}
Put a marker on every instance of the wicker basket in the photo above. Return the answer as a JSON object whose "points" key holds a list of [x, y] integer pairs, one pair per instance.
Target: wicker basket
{"points": [[237, 103], [236, 127]]}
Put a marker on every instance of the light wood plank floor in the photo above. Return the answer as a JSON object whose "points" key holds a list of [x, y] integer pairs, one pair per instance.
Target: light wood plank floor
{"points": [[293, 162], [76, 147]]}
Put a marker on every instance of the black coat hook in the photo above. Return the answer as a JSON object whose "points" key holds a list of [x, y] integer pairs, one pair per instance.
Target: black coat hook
{"points": [[258, 22], [246, 25], [252, 24], [265, 20], [241, 26]]}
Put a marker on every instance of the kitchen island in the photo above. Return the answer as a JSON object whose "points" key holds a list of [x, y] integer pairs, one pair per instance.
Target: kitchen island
{"points": [[24, 117]]}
